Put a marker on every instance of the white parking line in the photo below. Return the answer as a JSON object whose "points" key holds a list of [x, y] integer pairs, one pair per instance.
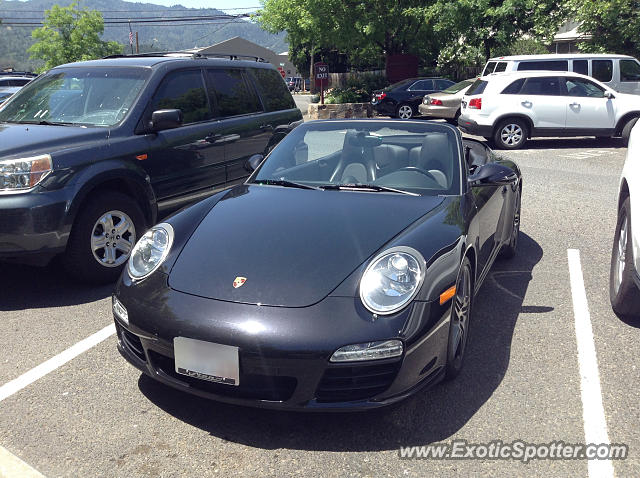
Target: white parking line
{"points": [[13, 467], [595, 424], [53, 363]]}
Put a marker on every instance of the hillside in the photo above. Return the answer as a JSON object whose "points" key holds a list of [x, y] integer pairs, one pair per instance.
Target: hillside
{"points": [[15, 40]]}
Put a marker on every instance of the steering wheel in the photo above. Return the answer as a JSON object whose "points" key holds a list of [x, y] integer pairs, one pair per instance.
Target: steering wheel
{"points": [[418, 170]]}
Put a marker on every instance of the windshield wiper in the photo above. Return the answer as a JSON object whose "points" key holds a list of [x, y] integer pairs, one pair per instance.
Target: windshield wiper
{"points": [[47, 123], [283, 182], [368, 187]]}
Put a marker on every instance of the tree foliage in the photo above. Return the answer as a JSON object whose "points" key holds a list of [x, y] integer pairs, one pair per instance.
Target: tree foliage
{"points": [[365, 31], [465, 30], [71, 34], [495, 24], [613, 25]]}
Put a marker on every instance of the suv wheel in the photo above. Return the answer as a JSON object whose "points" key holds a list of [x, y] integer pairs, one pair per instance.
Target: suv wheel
{"points": [[103, 236], [511, 134], [626, 131], [624, 295], [404, 111]]}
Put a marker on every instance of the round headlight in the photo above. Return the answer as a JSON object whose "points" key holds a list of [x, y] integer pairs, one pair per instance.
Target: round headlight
{"points": [[392, 279], [150, 251]]}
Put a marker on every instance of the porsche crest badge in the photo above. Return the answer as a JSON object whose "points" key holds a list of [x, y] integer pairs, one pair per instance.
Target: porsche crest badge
{"points": [[239, 282]]}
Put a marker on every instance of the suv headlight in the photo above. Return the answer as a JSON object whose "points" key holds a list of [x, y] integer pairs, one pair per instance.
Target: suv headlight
{"points": [[24, 173], [392, 279], [150, 251]]}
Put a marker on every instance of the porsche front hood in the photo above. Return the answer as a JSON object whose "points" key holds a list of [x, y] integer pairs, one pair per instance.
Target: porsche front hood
{"points": [[291, 246]]}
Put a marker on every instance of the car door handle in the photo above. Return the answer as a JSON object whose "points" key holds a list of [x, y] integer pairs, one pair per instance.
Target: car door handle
{"points": [[574, 104], [526, 103], [266, 126], [214, 138]]}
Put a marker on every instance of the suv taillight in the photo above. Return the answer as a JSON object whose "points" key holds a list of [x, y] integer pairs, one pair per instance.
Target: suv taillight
{"points": [[475, 103]]}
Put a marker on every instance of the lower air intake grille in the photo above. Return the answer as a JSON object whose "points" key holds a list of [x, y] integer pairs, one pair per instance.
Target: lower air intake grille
{"points": [[343, 383]]}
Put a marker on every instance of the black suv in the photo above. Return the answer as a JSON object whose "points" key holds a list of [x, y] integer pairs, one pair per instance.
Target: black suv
{"points": [[92, 152]]}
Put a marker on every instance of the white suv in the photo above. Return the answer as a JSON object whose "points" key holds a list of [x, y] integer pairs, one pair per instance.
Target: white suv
{"points": [[509, 108], [624, 282]]}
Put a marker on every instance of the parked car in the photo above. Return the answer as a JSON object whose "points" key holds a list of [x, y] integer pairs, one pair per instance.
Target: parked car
{"points": [[297, 83], [4, 96], [12, 84], [401, 100], [619, 72], [509, 108], [112, 143], [402, 232], [445, 104], [624, 282]]}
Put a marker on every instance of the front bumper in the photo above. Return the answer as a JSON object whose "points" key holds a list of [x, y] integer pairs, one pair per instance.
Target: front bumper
{"points": [[385, 107], [286, 366], [33, 224], [470, 126]]}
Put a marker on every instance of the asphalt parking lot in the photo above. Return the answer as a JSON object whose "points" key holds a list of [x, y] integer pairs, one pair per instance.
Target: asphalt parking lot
{"points": [[95, 415]]}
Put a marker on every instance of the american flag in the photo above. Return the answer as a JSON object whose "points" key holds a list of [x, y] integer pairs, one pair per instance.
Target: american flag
{"points": [[130, 38]]}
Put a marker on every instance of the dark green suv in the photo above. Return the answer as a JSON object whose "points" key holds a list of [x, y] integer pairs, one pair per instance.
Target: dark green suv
{"points": [[92, 152]]}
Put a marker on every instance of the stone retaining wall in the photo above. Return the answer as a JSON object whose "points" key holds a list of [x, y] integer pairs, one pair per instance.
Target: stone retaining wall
{"points": [[344, 110]]}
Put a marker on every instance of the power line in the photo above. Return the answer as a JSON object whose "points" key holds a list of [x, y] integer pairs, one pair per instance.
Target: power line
{"points": [[167, 10], [123, 24], [157, 20]]}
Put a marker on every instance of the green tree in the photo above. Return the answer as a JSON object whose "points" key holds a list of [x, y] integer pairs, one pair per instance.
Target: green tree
{"points": [[495, 24], [362, 30], [71, 34], [614, 25]]}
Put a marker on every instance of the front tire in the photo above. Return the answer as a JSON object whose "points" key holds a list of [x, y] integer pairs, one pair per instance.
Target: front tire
{"points": [[404, 111], [460, 320], [623, 293], [102, 237], [511, 133], [626, 131]]}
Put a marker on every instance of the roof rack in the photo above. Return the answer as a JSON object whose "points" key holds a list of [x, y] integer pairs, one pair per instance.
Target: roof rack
{"points": [[11, 72], [194, 55]]}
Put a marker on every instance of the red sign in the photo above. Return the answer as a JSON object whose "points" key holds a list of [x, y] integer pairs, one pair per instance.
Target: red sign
{"points": [[321, 75]]}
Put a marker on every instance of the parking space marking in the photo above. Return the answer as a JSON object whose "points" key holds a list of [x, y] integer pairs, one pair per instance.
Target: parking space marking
{"points": [[595, 424], [590, 153], [13, 467], [53, 363]]}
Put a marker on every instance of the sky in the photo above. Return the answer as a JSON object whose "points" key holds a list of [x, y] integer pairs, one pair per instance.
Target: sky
{"points": [[230, 6]]}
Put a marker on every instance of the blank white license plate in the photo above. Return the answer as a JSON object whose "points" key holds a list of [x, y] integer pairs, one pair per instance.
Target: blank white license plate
{"points": [[207, 361]]}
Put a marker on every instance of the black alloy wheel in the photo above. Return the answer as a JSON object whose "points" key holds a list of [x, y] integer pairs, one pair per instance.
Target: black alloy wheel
{"points": [[460, 320]]}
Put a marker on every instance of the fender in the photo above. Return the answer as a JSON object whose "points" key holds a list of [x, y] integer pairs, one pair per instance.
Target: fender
{"points": [[515, 115], [624, 120], [116, 174]]}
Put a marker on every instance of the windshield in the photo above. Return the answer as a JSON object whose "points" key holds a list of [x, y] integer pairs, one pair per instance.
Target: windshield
{"points": [[458, 86], [420, 158], [76, 96]]}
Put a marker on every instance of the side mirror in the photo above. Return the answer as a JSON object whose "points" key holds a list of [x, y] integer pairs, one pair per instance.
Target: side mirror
{"points": [[165, 119], [608, 95], [253, 162], [492, 174]]}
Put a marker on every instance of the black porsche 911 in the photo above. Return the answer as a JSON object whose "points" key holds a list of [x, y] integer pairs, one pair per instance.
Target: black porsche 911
{"points": [[340, 276]]}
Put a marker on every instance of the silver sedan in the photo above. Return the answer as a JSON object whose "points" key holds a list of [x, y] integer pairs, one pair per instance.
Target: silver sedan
{"points": [[446, 103]]}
